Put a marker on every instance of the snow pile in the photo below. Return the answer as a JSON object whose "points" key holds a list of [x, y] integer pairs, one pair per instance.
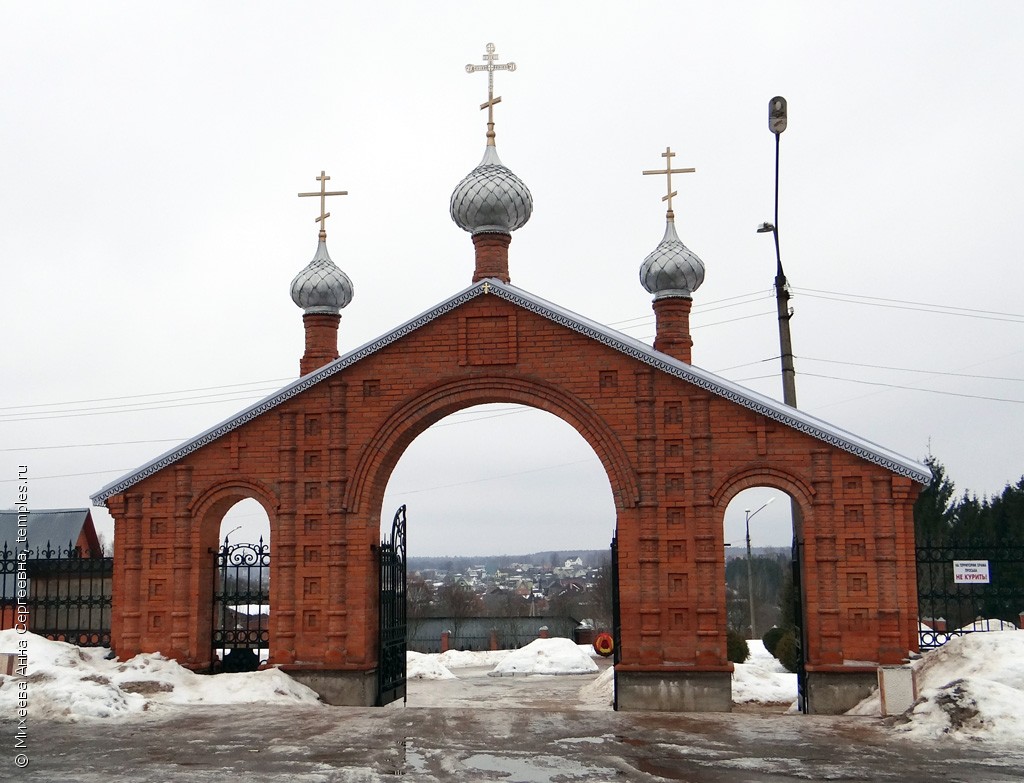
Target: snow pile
{"points": [[425, 666], [464, 659], [970, 688], [600, 690], [762, 679], [71, 683], [546, 656]]}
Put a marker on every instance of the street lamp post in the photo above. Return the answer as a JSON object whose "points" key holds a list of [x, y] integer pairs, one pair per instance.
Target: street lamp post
{"points": [[750, 569], [237, 527], [777, 119]]}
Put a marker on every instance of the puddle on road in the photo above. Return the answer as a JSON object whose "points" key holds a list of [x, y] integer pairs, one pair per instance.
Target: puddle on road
{"points": [[535, 769], [410, 758], [658, 770]]}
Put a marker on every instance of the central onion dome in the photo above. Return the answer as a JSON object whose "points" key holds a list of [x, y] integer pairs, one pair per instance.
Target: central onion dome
{"points": [[491, 199], [321, 288], [672, 270]]}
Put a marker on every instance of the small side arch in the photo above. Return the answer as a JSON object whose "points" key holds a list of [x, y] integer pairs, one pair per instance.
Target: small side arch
{"points": [[745, 478], [214, 501], [207, 510]]}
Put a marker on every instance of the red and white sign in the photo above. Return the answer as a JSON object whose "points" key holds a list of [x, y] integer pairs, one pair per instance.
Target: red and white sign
{"points": [[970, 572]]}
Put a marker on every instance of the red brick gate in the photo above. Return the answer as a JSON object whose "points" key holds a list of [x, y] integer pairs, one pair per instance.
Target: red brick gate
{"points": [[677, 443]]}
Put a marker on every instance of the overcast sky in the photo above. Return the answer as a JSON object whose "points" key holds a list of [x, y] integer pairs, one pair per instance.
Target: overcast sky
{"points": [[150, 158]]}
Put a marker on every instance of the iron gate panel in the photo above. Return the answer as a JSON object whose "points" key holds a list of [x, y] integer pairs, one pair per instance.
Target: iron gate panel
{"points": [[616, 621], [391, 635], [961, 607], [241, 606], [799, 632], [68, 594]]}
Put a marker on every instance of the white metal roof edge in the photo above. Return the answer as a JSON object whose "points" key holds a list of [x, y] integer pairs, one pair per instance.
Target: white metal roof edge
{"points": [[630, 346]]}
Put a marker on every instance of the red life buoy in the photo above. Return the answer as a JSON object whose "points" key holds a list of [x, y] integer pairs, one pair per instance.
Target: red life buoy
{"points": [[604, 644]]}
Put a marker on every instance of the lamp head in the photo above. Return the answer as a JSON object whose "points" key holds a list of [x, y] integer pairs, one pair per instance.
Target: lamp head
{"points": [[777, 115], [765, 228]]}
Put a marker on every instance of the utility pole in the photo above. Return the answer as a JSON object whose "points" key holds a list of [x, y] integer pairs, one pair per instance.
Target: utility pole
{"points": [[777, 120]]}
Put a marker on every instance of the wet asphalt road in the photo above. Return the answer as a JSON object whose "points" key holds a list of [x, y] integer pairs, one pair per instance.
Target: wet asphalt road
{"points": [[314, 743]]}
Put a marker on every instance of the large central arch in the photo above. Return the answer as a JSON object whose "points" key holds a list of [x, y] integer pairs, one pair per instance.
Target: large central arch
{"points": [[433, 403]]}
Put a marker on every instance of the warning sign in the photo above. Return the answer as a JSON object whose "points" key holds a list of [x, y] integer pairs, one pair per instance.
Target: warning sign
{"points": [[970, 572]]}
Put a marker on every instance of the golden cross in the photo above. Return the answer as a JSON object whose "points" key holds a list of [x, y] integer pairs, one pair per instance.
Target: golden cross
{"points": [[490, 66], [486, 287], [323, 194], [668, 154]]}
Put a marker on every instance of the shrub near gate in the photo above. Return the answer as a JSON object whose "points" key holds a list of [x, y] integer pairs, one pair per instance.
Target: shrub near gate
{"points": [[771, 638], [737, 649]]}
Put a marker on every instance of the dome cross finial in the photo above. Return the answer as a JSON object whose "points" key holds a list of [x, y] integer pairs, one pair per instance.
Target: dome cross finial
{"points": [[668, 154], [323, 193], [490, 66]]}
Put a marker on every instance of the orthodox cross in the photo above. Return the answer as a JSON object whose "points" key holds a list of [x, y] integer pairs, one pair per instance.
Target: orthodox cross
{"points": [[668, 154], [490, 66], [760, 429], [323, 194], [234, 448]]}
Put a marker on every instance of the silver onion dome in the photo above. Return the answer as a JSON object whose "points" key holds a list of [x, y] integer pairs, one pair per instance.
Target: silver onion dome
{"points": [[672, 269], [491, 199], [321, 287]]}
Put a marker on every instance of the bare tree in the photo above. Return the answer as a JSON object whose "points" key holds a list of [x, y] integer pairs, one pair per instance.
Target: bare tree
{"points": [[419, 599], [457, 602]]}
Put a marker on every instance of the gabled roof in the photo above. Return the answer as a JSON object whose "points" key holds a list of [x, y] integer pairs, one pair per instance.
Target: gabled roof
{"points": [[55, 529], [766, 406]]}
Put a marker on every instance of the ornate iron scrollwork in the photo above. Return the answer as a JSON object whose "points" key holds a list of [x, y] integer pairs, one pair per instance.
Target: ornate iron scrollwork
{"points": [[241, 606], [391, 672]]}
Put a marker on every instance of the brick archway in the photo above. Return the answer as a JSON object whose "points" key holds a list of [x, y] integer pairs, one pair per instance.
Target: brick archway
{"points": [[676, 443]]}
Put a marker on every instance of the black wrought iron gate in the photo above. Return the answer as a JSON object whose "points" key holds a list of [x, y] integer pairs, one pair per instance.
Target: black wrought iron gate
{"points": [[241, 606], [800, 629], [616, 622], [391, 637]]}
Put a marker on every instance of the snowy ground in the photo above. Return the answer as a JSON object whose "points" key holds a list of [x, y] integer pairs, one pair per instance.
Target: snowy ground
{"points": [[762, 679], [971, 688], [149, 721]]}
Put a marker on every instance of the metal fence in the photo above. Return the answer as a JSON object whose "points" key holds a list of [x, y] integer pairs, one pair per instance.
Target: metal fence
{"points": [[63, 594], [967, 587], [481, 633]]}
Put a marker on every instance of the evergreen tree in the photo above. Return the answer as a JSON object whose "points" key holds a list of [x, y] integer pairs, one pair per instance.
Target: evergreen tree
{"points": [[935, 509]]}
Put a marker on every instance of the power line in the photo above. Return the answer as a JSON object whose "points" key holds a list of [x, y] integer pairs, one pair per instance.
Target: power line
{"points": [[937, 309], [731, 320], [910, 369], [148, 394], [702, 306], [913, 388], [745, 364], [104, 412], [908, 302], [92, 445], [65, 475]]}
